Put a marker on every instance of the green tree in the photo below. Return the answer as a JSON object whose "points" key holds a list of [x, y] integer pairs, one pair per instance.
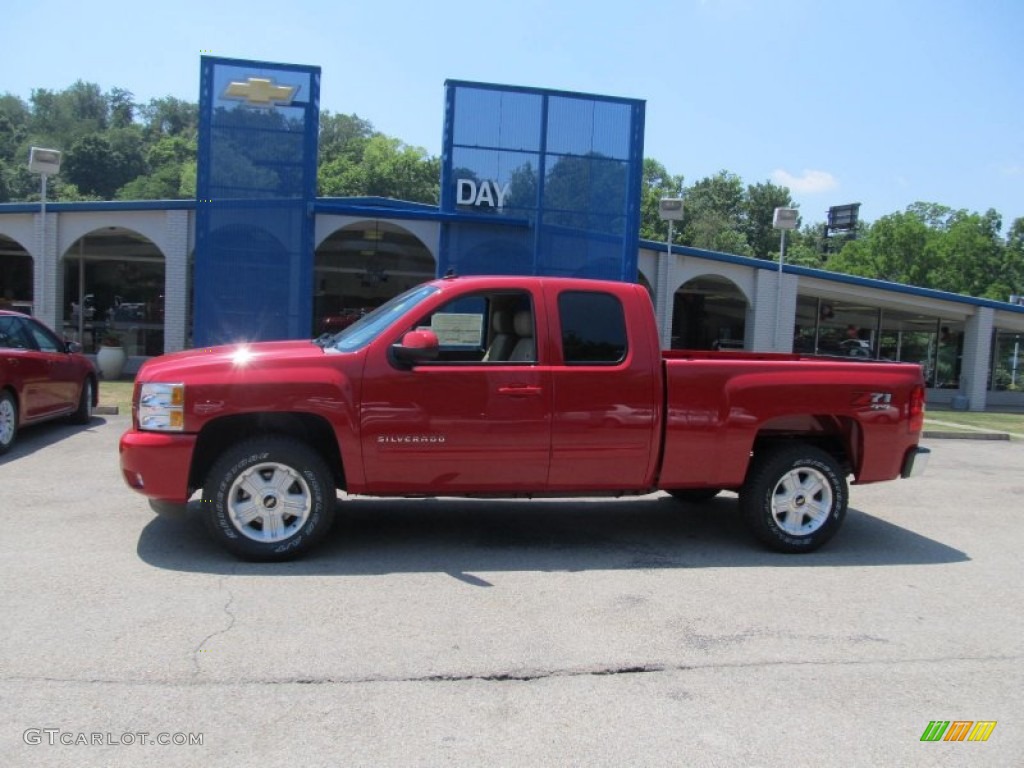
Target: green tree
{"points": [[122, 107], [657, 183], [967, 256], [394, 169], [339, 135], [169, 116], [96, 167], [79, 110], [757, 214], [897, 247], [15, 118], [715, 215], [381, 166], [163, 179], [1012, 272]]}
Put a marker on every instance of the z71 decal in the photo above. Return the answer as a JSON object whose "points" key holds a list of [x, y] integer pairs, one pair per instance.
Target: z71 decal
{"points": [[877, 401]]}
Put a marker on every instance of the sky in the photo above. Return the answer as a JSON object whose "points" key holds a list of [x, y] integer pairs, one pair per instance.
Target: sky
{"points": [[878, 102]]}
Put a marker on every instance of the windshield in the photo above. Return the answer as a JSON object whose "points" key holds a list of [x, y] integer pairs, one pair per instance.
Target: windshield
{"points": [[369, 327]]}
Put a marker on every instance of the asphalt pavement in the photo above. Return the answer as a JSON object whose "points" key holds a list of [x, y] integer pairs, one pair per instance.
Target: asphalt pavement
{"points": [[633, 632]]}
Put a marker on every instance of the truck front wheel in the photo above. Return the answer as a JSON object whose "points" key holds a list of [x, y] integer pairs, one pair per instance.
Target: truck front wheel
{"points": [[269, 498], [794, 498]]}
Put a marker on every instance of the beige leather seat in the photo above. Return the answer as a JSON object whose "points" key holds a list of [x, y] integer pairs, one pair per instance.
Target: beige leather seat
{"points": [[504, 341], [525, 350]]}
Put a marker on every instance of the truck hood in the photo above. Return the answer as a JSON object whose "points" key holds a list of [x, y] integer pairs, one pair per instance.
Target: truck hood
{"points": [[228, 360]]}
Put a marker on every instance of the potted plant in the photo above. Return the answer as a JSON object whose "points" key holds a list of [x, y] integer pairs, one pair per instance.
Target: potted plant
{"points": [[110, 357]]}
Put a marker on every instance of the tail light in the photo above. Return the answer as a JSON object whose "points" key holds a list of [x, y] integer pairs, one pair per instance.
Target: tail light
{"points": [[916, 409]]}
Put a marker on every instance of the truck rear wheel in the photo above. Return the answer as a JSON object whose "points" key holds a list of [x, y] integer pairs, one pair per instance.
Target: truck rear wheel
{"points": [[794, 498], [270, 498]]}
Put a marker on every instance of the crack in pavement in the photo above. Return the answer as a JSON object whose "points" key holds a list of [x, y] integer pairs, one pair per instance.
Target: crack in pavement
{"points": [[525, 676], [231, 623]]}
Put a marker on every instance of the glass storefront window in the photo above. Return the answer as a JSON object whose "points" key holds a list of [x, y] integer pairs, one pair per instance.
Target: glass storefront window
{"points": [[1007, 362], [854, 329], [360, 267], [709, 313], [121, 297], [837, 328], [15, 277]]}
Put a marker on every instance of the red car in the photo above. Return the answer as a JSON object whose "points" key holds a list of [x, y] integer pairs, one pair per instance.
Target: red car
{"points": [[42, 377]]}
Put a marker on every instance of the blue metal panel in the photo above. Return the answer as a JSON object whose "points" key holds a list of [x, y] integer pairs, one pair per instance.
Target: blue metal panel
{"points": [[568, 163], [256, 183]]}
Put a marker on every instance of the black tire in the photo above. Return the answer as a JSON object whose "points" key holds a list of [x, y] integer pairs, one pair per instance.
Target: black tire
{"points": [[794, 498], [694, 495], [8, 421], [83, 414], [247, 484]]}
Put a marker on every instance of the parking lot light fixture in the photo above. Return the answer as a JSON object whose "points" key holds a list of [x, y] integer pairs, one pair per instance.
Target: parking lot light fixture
{"points": [[784, 219], [670, 209], [45, 162]]}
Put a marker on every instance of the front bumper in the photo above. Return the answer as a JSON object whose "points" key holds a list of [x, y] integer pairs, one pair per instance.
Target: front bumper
{"points": [[156, 464], [915, 462]]}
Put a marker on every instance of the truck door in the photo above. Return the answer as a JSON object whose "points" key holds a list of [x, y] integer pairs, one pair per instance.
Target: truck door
{"points": [[606, 399], [475, 420]]}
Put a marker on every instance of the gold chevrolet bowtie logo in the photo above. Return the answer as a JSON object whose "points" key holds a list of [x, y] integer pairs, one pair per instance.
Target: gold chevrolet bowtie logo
{"points": [[260, 92]]}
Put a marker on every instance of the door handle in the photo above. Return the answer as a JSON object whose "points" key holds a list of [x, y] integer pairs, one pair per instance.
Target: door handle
{"points": [[527, 391]]}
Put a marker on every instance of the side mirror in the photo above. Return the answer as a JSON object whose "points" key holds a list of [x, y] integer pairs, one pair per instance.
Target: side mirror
{"points": [[416, 347], [72, 347]]}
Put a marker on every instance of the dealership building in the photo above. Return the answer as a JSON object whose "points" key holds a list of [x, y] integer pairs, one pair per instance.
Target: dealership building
{"points": [[533, 182]]}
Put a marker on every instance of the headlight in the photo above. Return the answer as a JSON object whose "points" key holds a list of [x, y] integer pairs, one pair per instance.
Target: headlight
{"points": [[162, 407]]}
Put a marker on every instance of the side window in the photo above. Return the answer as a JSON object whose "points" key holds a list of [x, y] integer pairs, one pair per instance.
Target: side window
{"points": [[484, 328], [12, 335], [593, 328], [45, 340]]}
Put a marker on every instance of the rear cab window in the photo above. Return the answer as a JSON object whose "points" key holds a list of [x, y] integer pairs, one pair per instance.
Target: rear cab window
{"points": [[593, 327]]}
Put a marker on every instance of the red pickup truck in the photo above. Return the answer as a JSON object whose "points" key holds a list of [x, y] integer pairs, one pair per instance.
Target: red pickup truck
{"points": [[512, 387]]}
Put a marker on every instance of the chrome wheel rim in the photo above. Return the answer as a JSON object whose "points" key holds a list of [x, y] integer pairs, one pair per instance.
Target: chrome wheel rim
{"points": [[7, 424], [802, 501], [269, 502]]}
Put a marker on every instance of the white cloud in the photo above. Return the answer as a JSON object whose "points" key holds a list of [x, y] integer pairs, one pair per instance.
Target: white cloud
{"points": [[1012, 170], [808, 183]]}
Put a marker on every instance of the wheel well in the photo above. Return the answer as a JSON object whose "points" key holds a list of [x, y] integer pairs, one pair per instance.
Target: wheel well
{"points": [[218, 435], [14, 396], [838, 437]]}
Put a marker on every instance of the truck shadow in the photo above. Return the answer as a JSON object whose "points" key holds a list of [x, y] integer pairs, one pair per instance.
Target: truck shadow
{"points": [[463, 537]]}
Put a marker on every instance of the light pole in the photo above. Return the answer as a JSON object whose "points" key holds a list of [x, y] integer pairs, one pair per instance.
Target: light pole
{"points": [[670, 209], [45, 162], [784, 219]]}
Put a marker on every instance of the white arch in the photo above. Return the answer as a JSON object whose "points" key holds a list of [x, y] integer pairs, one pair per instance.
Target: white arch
{"points": [[427, 232], [152, 225], [66, 251], [685, 268], [21, 228], [740, 277]]}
